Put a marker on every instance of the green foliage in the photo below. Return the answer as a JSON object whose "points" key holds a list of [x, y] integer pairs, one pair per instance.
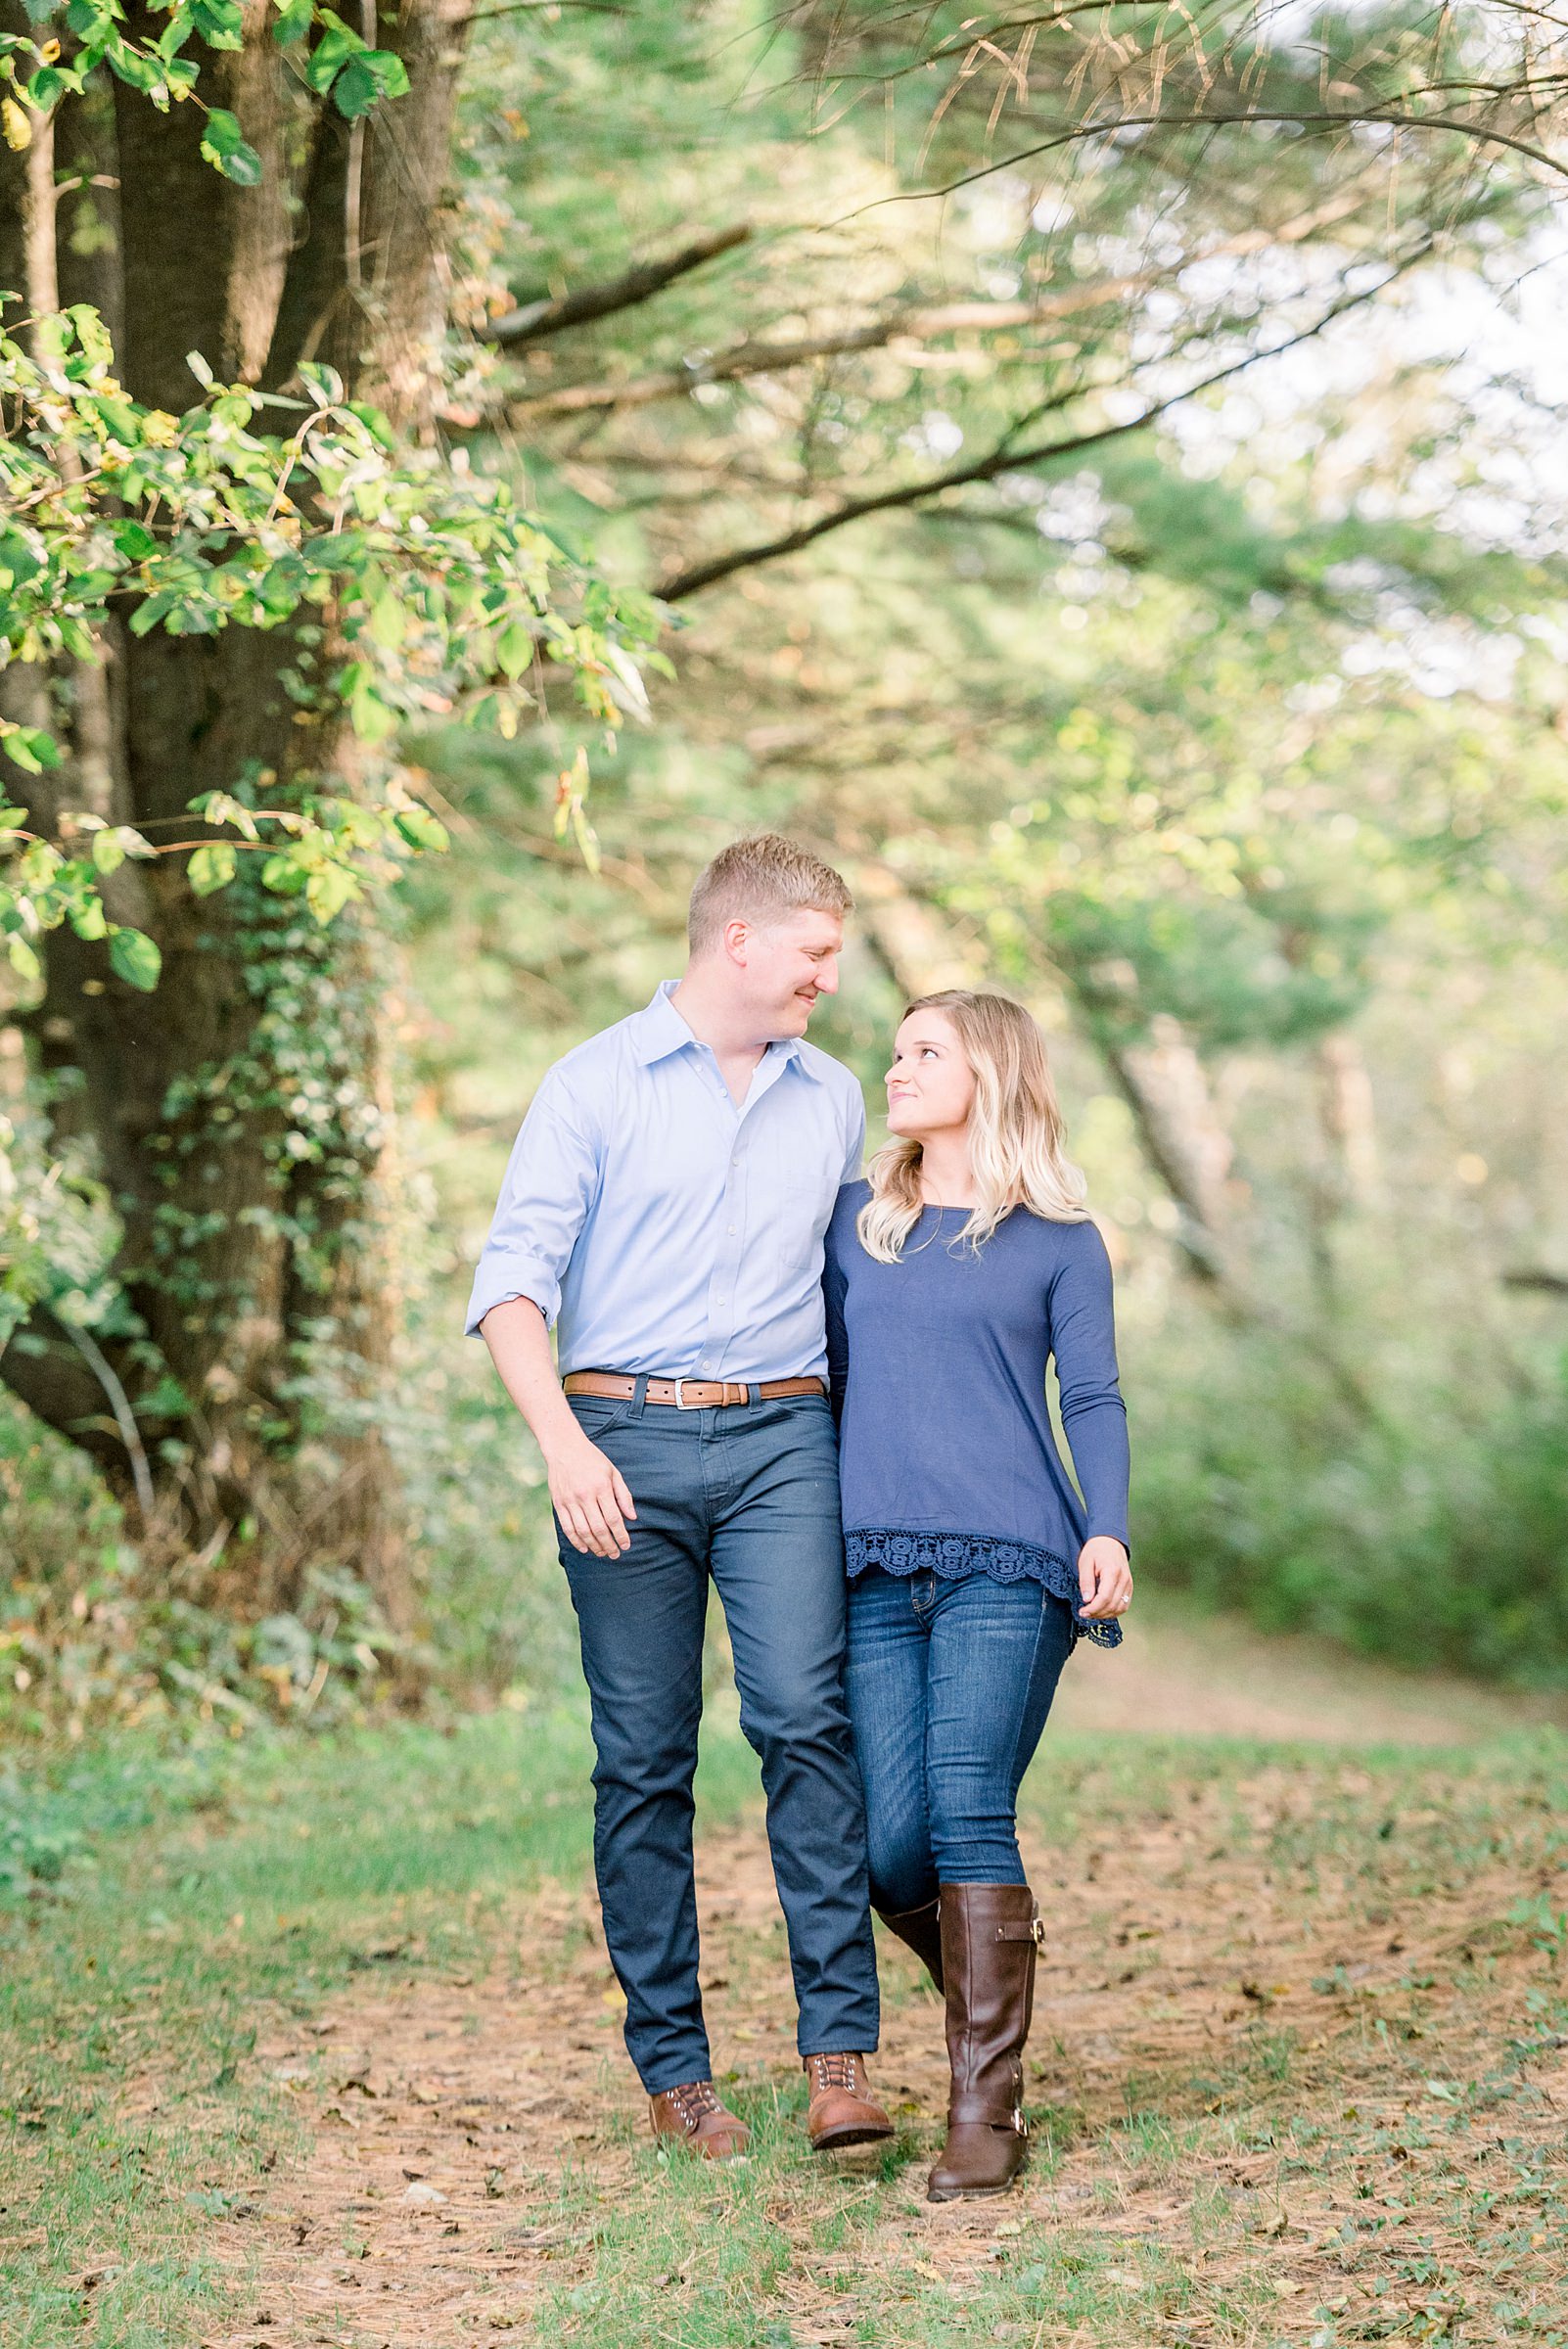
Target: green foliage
{"points": [[34, 68], [96, 1630], [432, 588], [1255, 1496]]}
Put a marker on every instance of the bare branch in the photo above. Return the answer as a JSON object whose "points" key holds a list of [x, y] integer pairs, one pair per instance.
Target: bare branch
{"points": [[1006, 456], [920, 324], [778, 359], [552, 316], [1385, 115]]}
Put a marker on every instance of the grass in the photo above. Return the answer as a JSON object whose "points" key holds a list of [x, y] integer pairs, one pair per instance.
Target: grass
{"points": [[160, 1901], [1301, 2074]]}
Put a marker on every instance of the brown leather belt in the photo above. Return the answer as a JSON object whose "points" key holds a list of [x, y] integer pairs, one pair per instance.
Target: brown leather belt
{"points": [[688, 1394]]}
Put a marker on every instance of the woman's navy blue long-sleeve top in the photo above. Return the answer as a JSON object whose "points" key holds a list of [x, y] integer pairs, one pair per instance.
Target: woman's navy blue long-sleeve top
{"points": [[946, 1459]]}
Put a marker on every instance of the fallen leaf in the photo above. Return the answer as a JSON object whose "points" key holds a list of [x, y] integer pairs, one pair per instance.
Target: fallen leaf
{"points": [[422, 2195]]}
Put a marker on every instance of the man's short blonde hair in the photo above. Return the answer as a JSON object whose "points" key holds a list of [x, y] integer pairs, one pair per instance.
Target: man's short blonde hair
{"points": [[760, 878]]}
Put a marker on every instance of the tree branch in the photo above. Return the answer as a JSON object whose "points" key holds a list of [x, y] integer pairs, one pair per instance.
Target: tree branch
{"points": [[534, 320], [59, 1386], [1385, 117], [921, 324], [1005, 457], [776, 358]]}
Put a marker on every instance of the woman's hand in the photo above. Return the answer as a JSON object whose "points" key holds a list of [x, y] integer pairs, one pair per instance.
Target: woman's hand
{"points": [[1105, 1579]]}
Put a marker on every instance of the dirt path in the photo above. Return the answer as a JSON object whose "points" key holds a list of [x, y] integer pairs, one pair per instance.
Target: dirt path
{"points": [[455, 2121]]}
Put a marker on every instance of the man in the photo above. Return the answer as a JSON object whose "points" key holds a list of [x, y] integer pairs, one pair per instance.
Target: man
{"points": [[666, 1197]]}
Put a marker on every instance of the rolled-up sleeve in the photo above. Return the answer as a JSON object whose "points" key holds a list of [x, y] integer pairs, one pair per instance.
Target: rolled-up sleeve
{"points": [[1094, 1415], [546, 1194]]}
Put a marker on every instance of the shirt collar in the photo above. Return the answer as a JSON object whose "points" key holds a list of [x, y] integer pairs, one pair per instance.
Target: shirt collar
{"points": [[660, 1030]]}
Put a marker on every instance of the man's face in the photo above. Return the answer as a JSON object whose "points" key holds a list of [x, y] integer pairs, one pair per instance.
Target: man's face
{"points": [[784, 966]]}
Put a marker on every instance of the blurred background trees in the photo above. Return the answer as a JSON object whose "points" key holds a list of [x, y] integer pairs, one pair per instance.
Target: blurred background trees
{"points": [[1103, 471]]}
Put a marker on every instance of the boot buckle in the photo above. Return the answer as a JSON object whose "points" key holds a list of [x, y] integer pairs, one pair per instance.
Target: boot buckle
{"points": [[1019, 2125], [1037, 1931]]}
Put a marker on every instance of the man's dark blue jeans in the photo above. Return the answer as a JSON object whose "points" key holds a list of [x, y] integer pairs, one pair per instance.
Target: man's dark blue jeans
{"points": [[950, 1682], [747, 1495]]}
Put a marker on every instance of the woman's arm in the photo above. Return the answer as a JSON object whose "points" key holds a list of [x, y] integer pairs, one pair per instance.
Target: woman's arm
{"points": [[1083, 1324], [834, 1287]]}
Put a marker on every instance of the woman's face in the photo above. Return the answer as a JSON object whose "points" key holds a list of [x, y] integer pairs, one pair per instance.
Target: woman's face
{"points": [[930, 1085]]}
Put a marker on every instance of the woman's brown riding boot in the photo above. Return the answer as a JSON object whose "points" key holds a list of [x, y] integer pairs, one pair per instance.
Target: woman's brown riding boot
{"points": [[990, 1933], [920, 1929]]}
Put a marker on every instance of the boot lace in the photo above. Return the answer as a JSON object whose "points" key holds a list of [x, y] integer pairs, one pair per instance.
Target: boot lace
{"points": [[835, 2071], [693, 2102]]}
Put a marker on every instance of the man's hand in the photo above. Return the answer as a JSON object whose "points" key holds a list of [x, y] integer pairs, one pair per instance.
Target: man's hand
{"points": [[1105, 1579], [590, 1495]]}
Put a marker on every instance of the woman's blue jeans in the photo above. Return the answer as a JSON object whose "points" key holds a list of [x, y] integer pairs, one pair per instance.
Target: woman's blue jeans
{"points": [[949, 1682]]}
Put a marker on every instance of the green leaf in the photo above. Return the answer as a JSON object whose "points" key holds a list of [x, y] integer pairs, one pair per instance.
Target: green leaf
{"points": [[419, 829], [89, 920], [388, 622], [219, 22], [225, 146], [30, 748], [211, 867], [366, 80], [223, 132], [141, 73], [331, 53], [327, 892], [369, 715], [134, 540], [293, 21], [324, 384], [136, 958], [109, 851], [389, 70], [284, 875], [13, 819], [586, 838], [514, 648], [24, 961], [220, 807]]}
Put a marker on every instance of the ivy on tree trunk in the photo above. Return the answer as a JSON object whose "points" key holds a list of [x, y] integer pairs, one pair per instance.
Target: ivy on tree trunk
{"points": [[239, 1110]]}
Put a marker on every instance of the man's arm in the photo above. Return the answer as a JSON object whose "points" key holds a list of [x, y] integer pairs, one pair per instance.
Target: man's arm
{"points": [[589, 1492]]}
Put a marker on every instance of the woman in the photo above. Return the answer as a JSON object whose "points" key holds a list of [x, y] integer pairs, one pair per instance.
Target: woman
{"points": [[954, 1273]]}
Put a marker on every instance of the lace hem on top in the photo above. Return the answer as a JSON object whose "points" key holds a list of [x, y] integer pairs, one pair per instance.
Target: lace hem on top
{"points": [[957, 1554]]}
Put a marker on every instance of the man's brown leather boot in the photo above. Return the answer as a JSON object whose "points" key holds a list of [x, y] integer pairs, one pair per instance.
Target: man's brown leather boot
{"points": [[919, 1929], [842, 2111], [990, 1933], [692, 2115]]}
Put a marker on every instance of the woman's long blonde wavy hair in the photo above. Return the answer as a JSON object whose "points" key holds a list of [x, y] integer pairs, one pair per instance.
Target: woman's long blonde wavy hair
{"points": [[1015, 1132]]}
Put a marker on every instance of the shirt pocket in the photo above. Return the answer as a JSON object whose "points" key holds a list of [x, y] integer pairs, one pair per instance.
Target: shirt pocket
{"points": [[798, 1214]]}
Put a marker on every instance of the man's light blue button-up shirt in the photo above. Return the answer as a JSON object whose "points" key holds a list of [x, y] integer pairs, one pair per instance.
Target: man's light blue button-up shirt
{"points": [[664, 1228]]}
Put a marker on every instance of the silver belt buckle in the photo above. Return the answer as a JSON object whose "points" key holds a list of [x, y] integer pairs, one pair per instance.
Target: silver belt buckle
{"points": [[681, 1405]]}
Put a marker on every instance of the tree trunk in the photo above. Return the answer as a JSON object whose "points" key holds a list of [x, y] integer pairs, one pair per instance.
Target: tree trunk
{"points": [[240, 1112]]}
